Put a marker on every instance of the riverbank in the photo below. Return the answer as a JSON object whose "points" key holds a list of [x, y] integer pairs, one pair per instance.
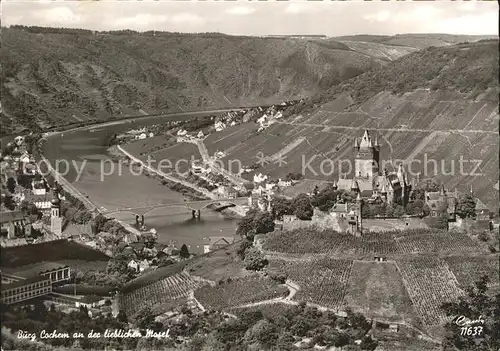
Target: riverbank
{"points": [[238, 210]]}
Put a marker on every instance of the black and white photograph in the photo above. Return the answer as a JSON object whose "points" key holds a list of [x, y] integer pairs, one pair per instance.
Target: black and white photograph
{"points": [[249, 175]]}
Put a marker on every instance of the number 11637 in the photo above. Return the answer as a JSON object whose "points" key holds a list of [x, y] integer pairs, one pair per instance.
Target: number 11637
{"points": [[471, 331]]}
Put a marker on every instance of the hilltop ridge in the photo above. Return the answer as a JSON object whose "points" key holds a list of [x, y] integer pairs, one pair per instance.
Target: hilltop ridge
{"points": [[57, 76]]}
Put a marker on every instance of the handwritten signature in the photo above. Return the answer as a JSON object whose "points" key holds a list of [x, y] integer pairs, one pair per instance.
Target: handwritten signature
{"points": [[463, 321]]}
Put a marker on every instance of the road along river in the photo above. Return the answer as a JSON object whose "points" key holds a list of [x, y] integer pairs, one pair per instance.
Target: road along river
{"points": [[82, 156]]}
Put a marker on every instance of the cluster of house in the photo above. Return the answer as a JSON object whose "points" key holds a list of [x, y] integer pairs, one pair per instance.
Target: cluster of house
{"points": [[264, 190], [184, 137], [18, 160], [149, 256], [269, 117], [444, 199], [17, 226], [146, 255], [136, 134], [227, 119], [265, 119]]}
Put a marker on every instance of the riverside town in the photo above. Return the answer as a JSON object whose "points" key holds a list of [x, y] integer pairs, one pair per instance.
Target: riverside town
{"points": [[249, 176]]}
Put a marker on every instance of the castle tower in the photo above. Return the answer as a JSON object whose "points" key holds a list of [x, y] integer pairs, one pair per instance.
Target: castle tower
{"points": [[55, 214], [354, 217], [367, 157], [401, 174]]}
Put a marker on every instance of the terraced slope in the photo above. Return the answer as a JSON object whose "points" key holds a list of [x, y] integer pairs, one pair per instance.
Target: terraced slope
{"points": [[163, 291], [429, 283], [431, 108], [238, 292], [376, 290], [432, 131], [322, 282]]}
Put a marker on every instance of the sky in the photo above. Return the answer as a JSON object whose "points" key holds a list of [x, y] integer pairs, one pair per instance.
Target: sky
{"points": [[331, 18]]}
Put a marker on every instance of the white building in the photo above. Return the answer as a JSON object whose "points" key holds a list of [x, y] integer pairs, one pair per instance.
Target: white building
{"points": [[259, 178], [284, 183], [219, 126]]}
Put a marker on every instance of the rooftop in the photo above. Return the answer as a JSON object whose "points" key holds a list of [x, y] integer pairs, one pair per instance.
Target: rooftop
{"points": [[11, 216], [23, 282], [34, 269]]}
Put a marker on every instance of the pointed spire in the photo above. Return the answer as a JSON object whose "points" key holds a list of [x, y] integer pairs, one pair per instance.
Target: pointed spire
{"points": [[442, 192], [376, 141], [471, 190], [356, 142], [354, 184], [366, 141], [383, 190], [358, 198]]}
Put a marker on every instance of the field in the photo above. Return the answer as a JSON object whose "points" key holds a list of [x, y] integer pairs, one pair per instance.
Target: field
{"points": [[154, 276], [311, 241], [239, 292], [429, 283], [218, 265], [468, 270], [321, 281], [162, 291], [376, 290], [434, 129], [54, 251]]}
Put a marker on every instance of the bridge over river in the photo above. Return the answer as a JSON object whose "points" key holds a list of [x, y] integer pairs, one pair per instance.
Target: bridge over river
{"points": [[194, 206]]}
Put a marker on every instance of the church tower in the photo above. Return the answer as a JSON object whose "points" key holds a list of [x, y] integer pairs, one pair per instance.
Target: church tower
{"points": [[55, 214], [367, 157]]}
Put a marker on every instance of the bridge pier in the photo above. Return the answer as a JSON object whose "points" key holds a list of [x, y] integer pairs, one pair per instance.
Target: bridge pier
{"points": [[196, 214]]}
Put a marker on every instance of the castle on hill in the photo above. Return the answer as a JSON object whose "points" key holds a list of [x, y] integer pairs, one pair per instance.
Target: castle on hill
{"points": [[368, 180]]}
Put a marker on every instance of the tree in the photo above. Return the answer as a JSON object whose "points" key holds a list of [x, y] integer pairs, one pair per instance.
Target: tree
{"points": [[466, 207], [144, 319], [398, 211], [302, 207], [281, 206], [122, 317], [325, 199], [255, 222], [263, 223], [245, 225], [476, 305], [367, 343], [29, 208], [244, 245], [254, 260], [24, 180], [9, 203], [11, 185], [184, 253]]}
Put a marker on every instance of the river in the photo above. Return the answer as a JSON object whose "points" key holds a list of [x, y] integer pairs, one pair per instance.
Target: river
{"points": [[84, 161]]}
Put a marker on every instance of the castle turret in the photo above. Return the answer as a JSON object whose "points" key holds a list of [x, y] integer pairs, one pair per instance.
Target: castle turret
{"points": [[442, 192], [354, 217], [366, 157], [354, 185], [335, 185]]}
